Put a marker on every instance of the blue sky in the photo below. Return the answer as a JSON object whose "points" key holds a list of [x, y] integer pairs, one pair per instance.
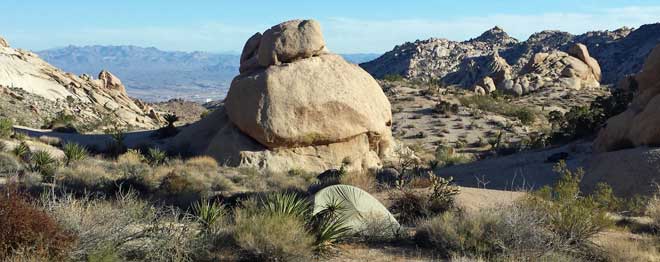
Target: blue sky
{"points": [[349, 26]]}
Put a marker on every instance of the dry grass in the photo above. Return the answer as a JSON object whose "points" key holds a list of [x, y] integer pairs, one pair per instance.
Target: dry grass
{"points": [[653, 211], [363, 180], [623, 246]]}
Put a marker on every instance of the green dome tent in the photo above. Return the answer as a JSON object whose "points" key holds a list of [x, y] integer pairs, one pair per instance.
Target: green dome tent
{"points": [[357, 206]]}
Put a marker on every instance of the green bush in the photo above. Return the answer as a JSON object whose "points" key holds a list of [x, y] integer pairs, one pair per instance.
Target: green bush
{"points": [[447, 156], [6, 128], [410, 206], [496, 105], [573, 217], [210, 214], [393, 77], [74, 152], [9, 165], [452, 233]]}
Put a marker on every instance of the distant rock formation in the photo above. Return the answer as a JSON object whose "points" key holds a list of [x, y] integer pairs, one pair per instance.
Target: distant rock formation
{"points": [[295, 105], [47, 90], [618, 53]]}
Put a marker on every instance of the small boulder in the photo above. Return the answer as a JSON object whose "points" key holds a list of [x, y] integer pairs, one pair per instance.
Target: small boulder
{"points": [[478, 90], [387, 176], [290, 41], [488, 84], [3, 42], [580, 51]]}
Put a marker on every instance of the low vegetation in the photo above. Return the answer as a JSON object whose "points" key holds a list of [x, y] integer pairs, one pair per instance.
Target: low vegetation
{"points": [[499, 105]]}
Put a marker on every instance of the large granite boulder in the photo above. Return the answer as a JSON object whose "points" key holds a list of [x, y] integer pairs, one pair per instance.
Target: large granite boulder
{"points": [[295, 105], [639, 124], [314, 101]]}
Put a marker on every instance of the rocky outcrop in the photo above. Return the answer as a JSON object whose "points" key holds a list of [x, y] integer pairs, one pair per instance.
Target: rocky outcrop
{"points": [[3, 42], [575, 71], [43, 86], [638, 125], [619, 53], [305, 108], [111, 82]]}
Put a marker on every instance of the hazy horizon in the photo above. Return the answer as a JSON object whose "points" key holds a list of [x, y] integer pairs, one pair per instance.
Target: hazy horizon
{"points": [[350, 27]]}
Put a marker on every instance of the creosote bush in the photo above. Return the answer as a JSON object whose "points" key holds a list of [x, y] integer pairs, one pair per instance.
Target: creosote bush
{"points": [[410, 206], [6, 128]]}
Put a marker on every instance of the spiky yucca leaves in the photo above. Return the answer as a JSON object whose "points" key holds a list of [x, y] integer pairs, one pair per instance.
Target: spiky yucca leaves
{"points": [[44, 163], [209, 213], [287, 204], [74, 152], [22, 151], [171, 119], [156, 156], [329, 227]]}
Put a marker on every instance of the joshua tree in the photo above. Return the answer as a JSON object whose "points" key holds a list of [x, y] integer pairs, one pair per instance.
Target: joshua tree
{"points": [[171, 119]]}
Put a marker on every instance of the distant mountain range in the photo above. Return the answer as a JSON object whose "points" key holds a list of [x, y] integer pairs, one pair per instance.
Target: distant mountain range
{"points": [[156, 75]]}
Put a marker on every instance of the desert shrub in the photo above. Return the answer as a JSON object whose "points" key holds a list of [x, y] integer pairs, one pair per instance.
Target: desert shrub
{"points": [[156, 156], [62, 122], [22, 151], [315, 232], [205, 163], [452, 233], [6, 128], [653, 211], [575, 218], [410, 206], [23, 226], [363, 180], [74, 152], [447, 156], [393, 77], [499, 106], [44, 163], [583, 121], [125, 227], [9, 165], [272, 237], [116, 146], [445, 107], [86, 176]]}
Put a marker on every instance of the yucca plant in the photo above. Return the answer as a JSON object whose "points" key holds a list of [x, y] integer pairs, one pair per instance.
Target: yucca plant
{"points": [[156, 156], [208, 213], [74, 152], [329, 227], [22, 151], [44, 163], [287, 204]]}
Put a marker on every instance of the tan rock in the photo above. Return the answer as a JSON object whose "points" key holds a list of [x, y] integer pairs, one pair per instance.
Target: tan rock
{"points": [[580, 51], [218, 137], [290, 41], [3, 42], [249, 58], [110, 81], [315, 101], [638, 125], [479, 90], [488, 84]]}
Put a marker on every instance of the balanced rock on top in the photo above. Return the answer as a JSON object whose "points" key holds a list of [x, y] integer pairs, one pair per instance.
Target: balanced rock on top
{"points": [[283, 43]]}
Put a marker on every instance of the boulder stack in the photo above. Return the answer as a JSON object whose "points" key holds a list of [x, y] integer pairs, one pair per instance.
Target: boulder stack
{"points": [[300, 106]]}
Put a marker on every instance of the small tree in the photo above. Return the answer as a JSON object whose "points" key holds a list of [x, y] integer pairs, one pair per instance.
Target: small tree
{"points": [[171, 119]]}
